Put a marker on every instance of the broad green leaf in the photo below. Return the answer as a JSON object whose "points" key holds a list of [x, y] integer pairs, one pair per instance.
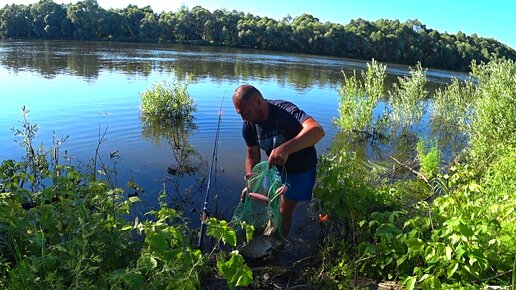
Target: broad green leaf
{"points": [[220, 231], [465, 230], [436, 284], [448, 253], [415, 244], [147, 262], [452, 269], [117, 274], [409, 283], [135, 280], [236, 272], [158, 243], [401, 260], [126, 228], [423, 278], [230, 238], [459, 252], [249, 231]]}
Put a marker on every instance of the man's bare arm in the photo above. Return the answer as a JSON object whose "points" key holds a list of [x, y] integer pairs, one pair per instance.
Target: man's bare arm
{"points": [[311, 133], [252, 158]]}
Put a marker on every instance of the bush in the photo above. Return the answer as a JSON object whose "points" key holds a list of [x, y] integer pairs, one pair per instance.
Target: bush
{"points": [[455, 229], [494, 123], [165, 101]]}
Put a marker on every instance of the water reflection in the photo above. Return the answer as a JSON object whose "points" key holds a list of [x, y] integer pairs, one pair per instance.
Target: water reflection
{"points": [[89, 59], [186, 173]]}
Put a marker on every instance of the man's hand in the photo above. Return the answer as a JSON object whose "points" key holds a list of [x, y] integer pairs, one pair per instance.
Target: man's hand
{"points": [[278, 156]]}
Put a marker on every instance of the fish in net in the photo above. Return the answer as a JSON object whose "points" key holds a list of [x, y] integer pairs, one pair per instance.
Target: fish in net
{"points": [[261, 209]]}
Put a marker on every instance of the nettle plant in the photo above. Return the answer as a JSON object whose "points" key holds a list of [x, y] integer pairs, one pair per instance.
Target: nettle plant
{"points": [[61, 228]]}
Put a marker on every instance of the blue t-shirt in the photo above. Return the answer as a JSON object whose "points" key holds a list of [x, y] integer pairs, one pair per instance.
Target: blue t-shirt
{"points": [[283, 123]]}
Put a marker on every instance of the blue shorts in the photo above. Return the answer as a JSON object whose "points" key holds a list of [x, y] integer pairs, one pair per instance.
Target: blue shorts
{"points": [[300, 185]]}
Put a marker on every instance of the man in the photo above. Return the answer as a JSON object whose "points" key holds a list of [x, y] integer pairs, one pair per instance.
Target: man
{"points": [[287, 135]]}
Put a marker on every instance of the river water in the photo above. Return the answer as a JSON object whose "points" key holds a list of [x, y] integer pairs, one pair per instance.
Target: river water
{"points": [[90, 92]]}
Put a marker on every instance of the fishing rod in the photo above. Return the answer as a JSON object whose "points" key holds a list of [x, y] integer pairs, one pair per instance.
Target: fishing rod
{"points": [[205, 212]]}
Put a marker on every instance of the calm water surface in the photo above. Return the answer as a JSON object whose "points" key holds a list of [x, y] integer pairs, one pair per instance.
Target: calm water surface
{"points": [[81, 89]]}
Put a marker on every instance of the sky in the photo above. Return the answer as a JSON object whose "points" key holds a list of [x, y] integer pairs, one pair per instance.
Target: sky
{"points": [[487, 18]]}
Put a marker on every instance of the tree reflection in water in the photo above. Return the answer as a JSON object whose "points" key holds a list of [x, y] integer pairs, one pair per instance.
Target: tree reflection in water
{"points": [[187, 171]]}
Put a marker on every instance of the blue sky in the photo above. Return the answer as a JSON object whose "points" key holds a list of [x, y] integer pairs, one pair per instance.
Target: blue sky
{"points": [[487, 18]]}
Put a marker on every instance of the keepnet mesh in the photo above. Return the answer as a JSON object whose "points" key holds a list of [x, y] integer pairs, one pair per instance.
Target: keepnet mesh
{"points": [[265, 218]]}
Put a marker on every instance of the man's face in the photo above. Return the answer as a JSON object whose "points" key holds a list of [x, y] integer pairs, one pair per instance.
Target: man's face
{"points": [[249, 111]]}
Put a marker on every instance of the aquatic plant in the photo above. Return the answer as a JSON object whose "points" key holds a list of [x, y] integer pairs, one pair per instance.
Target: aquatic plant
{"points": [[406, 99], [429, 159], [168, 101], [358, 98], [494, 122]]}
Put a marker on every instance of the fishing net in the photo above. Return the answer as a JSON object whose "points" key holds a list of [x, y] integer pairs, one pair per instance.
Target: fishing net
{"points": [[261, 206]]}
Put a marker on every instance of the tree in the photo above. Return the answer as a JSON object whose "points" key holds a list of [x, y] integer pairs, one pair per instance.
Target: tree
{"points": [[85, 15], [167, 22], [148, 26], [46, 19], [386, 40], [199, 17], [15, 21]]}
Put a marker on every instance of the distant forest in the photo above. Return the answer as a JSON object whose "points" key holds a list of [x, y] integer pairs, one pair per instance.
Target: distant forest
{"points": [[385, 40]]}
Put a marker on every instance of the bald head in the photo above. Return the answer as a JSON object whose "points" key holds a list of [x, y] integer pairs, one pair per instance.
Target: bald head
{"points": [[250, 104], [246, 93]]}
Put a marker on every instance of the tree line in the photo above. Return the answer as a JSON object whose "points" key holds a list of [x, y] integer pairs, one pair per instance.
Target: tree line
{"points": [[386, 40]]}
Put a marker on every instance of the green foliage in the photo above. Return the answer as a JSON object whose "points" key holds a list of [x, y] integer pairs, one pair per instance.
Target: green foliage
{"points": [[166, 259], [458, 232], [60, 230], [406, 99], [358, 99], [221, 231], [337, 269], [429, 159], [451, 113], [495, 111], [165, 101], [344, 194], [236, 272], [453, 106]]}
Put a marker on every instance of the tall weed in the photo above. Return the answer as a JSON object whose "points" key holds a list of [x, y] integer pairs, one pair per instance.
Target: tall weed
{"points": [[359, 98], [494, 123], [407, 98]]}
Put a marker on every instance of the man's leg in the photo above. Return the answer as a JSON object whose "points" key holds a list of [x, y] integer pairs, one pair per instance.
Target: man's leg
{"points": [[287, 207]]}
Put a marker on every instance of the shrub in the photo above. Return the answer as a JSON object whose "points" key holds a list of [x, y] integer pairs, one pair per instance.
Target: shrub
{"points": [[165, 101], [461, 234], [494, 123], [359, 98]]}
